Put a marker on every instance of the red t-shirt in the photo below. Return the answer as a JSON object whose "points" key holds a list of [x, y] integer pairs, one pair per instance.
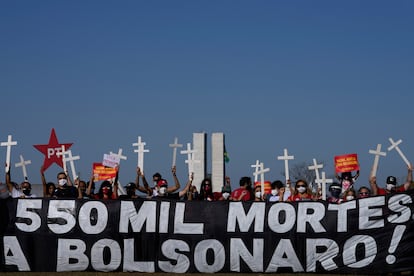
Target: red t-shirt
{"points": [[237, 193], [382, 191], [297, 197]]}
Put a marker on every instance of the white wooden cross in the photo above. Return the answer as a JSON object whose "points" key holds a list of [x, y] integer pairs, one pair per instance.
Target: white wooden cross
{"points": [[140, 151], [23, 164], [394, 145], [256, 169], [316, 168], [63, 153], [175, 145], [261, 172], [190, 158], [377, 153], [123, 157], [8, 144], [286, 157], [322, 182], [119, 154], [71, 160]]}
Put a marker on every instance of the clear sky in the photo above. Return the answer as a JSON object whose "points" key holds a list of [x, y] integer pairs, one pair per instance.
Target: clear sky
{"points": [[320, 78]]}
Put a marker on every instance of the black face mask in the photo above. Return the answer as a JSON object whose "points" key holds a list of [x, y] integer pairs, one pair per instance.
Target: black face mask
{"points": [[130, 192], [335, 193], [26, 191]]}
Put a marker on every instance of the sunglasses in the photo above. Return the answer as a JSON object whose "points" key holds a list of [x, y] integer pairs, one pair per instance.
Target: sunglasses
{"points": [[301, 186]]}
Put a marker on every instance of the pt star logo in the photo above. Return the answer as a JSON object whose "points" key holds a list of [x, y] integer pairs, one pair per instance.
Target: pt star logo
{"points": [[52, 150]]}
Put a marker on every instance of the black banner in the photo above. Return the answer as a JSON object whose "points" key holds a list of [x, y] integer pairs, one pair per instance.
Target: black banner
{"points": [[371, 236]]}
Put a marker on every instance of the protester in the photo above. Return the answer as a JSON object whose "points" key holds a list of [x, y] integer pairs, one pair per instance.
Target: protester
{"points": [[391, 184], [243, 193], [364, 192], [301, 192], [24, 190], [206, 190]]}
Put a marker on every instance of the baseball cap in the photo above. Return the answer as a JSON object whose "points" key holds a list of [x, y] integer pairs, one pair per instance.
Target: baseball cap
{"points": [[335, 185], [130, 185], [391, 180], [162, 182]]}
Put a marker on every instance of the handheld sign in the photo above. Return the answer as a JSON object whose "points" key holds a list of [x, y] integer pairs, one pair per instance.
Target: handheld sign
{"points": [[119, 156], [394, 145], [346, 163], [377, 154], [286, 158], [23, 164], [175, 145], [8, 144]]}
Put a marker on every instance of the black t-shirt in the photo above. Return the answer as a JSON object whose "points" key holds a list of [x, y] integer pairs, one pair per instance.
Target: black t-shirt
{"points": [[66, 192]]}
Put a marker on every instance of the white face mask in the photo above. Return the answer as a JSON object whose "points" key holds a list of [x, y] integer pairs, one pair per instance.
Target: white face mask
{"points": [[258, 194], [274, 192], [225, 195], [163, 190], [301, 189], [350, 197], [62, 182], [390, 187]]}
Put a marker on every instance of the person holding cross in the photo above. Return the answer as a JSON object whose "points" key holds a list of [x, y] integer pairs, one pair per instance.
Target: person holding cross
{"points": [[391, 184], [24, 190]]}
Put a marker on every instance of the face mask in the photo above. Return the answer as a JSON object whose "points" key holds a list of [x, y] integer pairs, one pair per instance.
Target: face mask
{"points": [[225, 195], [390, 187], [301, 189], [155, 183], [335, 193], [163, 190], [258, 194], [349, 197], [62, 182], [274, 192], [26, 191], [130, 192]]}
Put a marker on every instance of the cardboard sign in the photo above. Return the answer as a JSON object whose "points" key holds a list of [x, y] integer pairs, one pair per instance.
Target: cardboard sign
{"points": [[101, 172], [346, 163], [111, 160]]}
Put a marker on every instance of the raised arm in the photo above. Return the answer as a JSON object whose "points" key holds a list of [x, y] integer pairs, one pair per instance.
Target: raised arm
{"points": [[172, 189], [90, 183], [8, 180], [187, 186], [142, 189], [373, 184], [44, 183], [407, 183]]}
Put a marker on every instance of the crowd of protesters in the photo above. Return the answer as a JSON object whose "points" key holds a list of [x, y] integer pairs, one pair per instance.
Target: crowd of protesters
{"points": [[340, 191]]}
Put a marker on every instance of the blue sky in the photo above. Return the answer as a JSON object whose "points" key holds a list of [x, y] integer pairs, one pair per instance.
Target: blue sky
{"points": [[320, 78]]}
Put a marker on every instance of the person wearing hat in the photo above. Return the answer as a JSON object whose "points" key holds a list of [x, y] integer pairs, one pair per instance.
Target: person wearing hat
{"points": [[335, 189], [160, 187], [131, 189], [391, 184]]}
